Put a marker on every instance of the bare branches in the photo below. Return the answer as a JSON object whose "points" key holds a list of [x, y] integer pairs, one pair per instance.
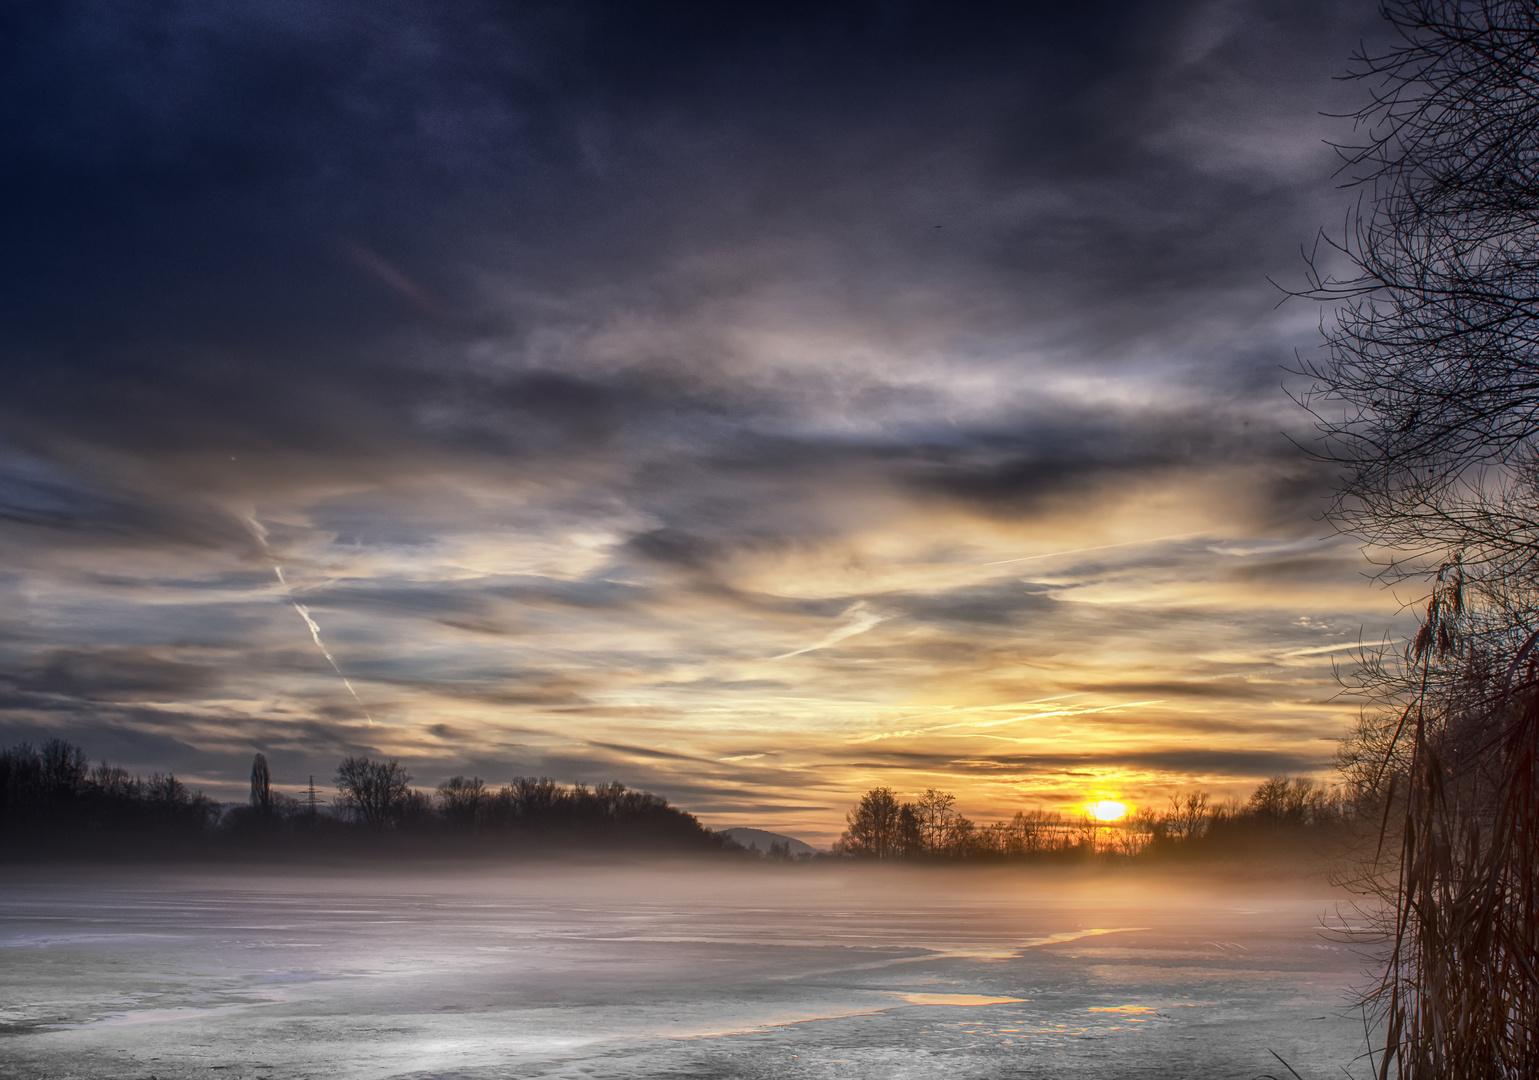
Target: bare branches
{"points": [[1429, 394], [374, 791], [1428, 400]]}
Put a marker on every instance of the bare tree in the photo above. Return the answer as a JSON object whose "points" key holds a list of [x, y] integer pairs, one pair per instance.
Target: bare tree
{"points": [[1288, 801], [64, 768], [1188, 817], [461, 801], [373, 791], [1429, 402], [1430, 394], [937, 814], [879, 826]]}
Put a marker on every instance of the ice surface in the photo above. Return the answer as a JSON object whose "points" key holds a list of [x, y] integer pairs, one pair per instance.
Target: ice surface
{"points": [[677, 971]]}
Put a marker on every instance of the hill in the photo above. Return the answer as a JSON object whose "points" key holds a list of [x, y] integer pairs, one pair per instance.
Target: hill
{"points": [[760, 840]]}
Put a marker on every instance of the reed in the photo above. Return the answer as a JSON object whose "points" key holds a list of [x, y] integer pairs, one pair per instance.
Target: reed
{"points": [[1458, 997]]}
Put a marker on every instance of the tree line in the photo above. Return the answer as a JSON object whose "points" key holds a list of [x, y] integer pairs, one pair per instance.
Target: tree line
{"points": [[54, 803], [881, 826]]}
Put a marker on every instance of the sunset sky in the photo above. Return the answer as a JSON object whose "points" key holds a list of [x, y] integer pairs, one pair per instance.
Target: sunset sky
{"points": [[753, 403]]}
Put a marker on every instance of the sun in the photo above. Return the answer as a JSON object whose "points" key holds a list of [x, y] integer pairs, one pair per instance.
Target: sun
{"points": [[1107, 810]]}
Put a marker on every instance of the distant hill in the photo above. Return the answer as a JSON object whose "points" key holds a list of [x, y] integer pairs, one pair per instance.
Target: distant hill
{"points": [[760, 840]]}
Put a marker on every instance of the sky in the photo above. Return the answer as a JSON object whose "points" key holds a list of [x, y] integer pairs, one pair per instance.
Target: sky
{"points": [[753, 403]]}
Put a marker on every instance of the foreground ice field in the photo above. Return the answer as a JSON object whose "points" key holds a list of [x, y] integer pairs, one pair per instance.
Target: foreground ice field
{"points": [[678, 971]]}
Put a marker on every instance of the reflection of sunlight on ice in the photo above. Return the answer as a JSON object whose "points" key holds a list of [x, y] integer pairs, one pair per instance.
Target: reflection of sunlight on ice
{"points": [[954, 999], [1075, 935], [995, 953], [861, 1006], [1132, 1012]]}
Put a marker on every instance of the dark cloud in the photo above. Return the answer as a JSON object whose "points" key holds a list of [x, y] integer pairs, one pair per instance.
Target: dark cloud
{"points": [[506, 690], [995, 605], [114, 675], [646, 752], [674, 546], [1300, 570], [1050, 456], [140, 751]]}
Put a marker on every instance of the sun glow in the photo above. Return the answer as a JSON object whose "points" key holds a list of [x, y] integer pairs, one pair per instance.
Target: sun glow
{"points": [[1107, 810]]}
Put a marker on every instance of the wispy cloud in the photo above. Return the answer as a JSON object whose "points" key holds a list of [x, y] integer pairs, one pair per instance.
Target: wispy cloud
{"points": [[1098, 547]]}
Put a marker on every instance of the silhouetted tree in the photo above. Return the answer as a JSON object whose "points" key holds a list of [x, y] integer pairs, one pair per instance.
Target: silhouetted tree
{"points": [[1284, 801], [64, 768], [878, 826], [261, 787], [21, 789], [936, 814], [375, 792], [1188, 817], [462, 801], [115, 783], [1029, 832], [961, 838], [536, 800]]}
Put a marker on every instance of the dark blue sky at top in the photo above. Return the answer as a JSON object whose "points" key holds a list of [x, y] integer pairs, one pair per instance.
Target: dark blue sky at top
{"points": [[188, 177]]}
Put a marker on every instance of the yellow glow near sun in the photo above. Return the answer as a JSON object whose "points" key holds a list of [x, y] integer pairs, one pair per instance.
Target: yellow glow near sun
{"points": [[1107, 810]]}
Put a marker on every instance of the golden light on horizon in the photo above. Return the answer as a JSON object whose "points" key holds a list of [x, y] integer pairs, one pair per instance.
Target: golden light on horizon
{"points": [[1107, 810]]}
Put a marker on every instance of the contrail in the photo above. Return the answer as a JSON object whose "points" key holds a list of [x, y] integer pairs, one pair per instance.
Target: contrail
{"points": [[999, 723], [864, 619], [375, 263], [258, 531]]}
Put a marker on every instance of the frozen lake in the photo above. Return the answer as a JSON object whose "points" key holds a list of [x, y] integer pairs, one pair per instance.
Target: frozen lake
{"points": [[678, 971]]}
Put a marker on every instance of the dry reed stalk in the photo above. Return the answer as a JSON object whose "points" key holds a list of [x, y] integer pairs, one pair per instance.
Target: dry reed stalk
{"points": [[1459, 996]]}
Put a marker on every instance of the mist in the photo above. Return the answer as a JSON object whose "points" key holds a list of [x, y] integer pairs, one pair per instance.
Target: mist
{"points": [[674, 968]]}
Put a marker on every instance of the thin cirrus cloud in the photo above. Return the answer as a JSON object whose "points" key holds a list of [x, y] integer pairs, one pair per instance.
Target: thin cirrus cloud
{"points": [[676, 393]]}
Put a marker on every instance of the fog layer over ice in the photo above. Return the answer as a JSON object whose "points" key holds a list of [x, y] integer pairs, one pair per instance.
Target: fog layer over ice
{"points": [[678, 971]]}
